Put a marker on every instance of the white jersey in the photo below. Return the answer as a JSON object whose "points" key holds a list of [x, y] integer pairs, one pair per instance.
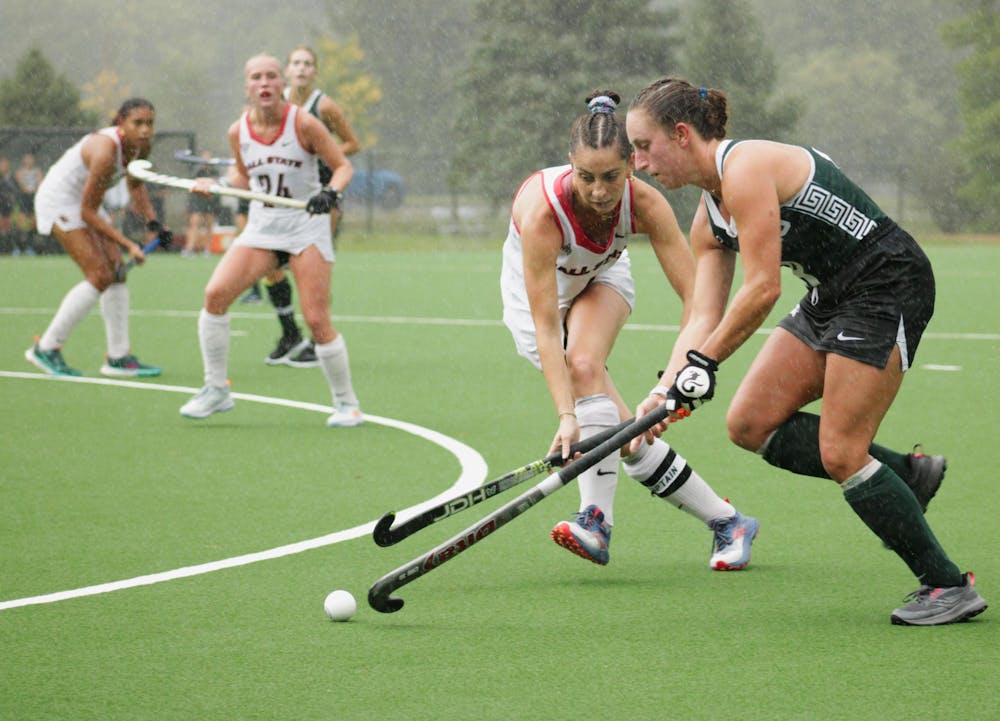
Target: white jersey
{"points": [[282, 167], [59, 198], [581, 261]]}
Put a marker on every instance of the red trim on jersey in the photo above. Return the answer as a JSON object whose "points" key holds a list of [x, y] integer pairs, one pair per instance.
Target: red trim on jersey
{"points": [[281, 128], [564, 193]]}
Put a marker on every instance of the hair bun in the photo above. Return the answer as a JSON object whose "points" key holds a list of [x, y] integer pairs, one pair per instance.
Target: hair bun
{"points": [[602, 104]]}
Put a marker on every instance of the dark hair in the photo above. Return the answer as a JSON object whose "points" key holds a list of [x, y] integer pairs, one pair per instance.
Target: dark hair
{"points": [[600, 126], [674, 100], [128, 106]]}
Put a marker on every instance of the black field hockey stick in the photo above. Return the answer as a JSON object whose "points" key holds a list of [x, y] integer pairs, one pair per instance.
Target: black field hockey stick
{"points": [[384, 535], [132, 262], [378, 594]]}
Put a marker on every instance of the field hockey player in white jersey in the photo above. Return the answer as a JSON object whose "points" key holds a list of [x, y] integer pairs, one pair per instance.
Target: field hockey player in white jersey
{"points": [[68, 206], [300, 73], [567, 291], [276, 147]]}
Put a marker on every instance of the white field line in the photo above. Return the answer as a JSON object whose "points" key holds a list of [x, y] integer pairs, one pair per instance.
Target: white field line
{"points": [[473, 473], [415, 320]]}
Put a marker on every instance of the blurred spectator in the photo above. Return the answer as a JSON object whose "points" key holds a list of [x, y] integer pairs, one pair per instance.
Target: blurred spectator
{"points": [[8, 195], [27, 177]]}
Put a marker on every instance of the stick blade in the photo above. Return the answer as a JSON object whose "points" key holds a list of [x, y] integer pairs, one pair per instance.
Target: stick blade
{"points": [[382, 534], [383, 602]]}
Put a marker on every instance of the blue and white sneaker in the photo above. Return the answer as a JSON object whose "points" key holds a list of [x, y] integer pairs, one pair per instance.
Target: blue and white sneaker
{"points": [[731, 541], [585, 534], [209, 400]]}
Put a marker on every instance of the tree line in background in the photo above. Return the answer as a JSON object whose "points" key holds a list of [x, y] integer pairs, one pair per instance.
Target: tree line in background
{"points": [[472, 95]]}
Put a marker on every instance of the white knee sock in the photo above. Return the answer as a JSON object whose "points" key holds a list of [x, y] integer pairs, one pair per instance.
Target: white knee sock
{"points": [[213, 335], [334, 361], [81, 298], [598, 483], [114, 308], [667, 475]]}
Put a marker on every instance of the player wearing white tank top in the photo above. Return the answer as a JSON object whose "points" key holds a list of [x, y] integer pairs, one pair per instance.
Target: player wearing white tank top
{"points": [[68, 207], [276, 148], [567, 291]]}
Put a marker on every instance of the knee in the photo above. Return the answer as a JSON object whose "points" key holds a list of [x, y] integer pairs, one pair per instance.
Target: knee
{"points": [[585, 373], [745, 429], [101, 278], [216, 302], [840, 460]]}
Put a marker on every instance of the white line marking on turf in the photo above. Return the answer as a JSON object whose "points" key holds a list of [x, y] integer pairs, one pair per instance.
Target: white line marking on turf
{"points": [[935, 367], [474, 470], [416, 320]]}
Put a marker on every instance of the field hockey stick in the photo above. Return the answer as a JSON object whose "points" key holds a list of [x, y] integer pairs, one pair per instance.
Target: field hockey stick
{"points": [[188, 156], [384, 535], [378, 595], [132, 262], [142, 170]]}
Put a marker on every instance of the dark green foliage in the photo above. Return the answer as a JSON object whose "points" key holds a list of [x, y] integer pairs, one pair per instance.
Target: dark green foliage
{"points": [[36, 96], [532, 67]]}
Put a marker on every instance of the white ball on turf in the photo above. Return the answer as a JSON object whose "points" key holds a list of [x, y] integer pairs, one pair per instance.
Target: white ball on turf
{"points": [[340, 605]]}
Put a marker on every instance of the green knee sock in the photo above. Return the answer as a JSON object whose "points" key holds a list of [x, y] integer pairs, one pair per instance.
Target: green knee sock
{"points": [[892, 512], [794, 446]]}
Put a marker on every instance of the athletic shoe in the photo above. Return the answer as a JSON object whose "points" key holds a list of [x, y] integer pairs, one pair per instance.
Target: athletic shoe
{"points": [[252, 296], [305, 358], [345, 416], [50, 361], [209, 400], [585, 534], [731, 542], [129, 366], [926, 474], [286, 348], [929, 606]]}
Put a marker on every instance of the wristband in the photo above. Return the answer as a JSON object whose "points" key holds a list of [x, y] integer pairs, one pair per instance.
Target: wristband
{"points": [[660, 391]]}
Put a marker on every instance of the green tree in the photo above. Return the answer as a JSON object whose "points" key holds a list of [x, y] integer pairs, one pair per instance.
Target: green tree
{"points": [[356, 92], [724, 47], [978, 146], [35, 96], [533, 64]]}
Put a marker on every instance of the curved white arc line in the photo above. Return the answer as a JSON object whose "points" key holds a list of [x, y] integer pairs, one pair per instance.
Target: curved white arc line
{"points": [[473, 473]]}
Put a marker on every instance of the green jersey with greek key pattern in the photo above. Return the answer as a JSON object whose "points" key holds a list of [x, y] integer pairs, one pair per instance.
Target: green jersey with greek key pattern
{"points": [[822, 226]]}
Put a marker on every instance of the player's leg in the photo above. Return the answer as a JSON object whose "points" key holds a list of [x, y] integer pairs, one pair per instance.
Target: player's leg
{"points": [[91, 252], [592, 324], [239, 267], [312, 276], [291, 342]]}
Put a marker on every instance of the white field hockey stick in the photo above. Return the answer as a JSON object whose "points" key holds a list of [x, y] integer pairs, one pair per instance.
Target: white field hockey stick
{"points": [[378, 594], [142, 170], [385, 535], [188, 156]]}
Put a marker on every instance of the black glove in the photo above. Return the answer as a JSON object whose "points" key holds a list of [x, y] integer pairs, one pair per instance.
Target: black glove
{"points": [[695, 383], [324, 201], [165, 235]]}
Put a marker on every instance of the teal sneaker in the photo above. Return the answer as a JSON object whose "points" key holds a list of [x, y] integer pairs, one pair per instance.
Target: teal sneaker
{"points": [[128, 366], [50, 361], [585, 534]]}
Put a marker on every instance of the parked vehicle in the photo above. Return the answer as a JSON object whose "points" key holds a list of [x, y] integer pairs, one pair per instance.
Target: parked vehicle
{"points": [[383, 188]]}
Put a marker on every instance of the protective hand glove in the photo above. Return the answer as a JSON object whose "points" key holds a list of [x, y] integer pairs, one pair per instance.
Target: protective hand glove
{"points": [[324, 201], [694, 385], [165, 235]]}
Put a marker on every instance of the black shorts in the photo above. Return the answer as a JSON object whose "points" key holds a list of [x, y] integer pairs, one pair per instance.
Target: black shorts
{"points": [[6, 205], [200, 204], [884, 297], [243, 207]]}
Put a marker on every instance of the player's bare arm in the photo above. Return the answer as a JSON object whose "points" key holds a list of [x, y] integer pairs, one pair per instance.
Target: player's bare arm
{"points": [[336, 122], [317, 139]]}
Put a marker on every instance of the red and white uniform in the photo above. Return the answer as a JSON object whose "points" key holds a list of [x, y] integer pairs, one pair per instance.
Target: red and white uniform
{"points": [[282, 167], [582, 260], [60, 195]]}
